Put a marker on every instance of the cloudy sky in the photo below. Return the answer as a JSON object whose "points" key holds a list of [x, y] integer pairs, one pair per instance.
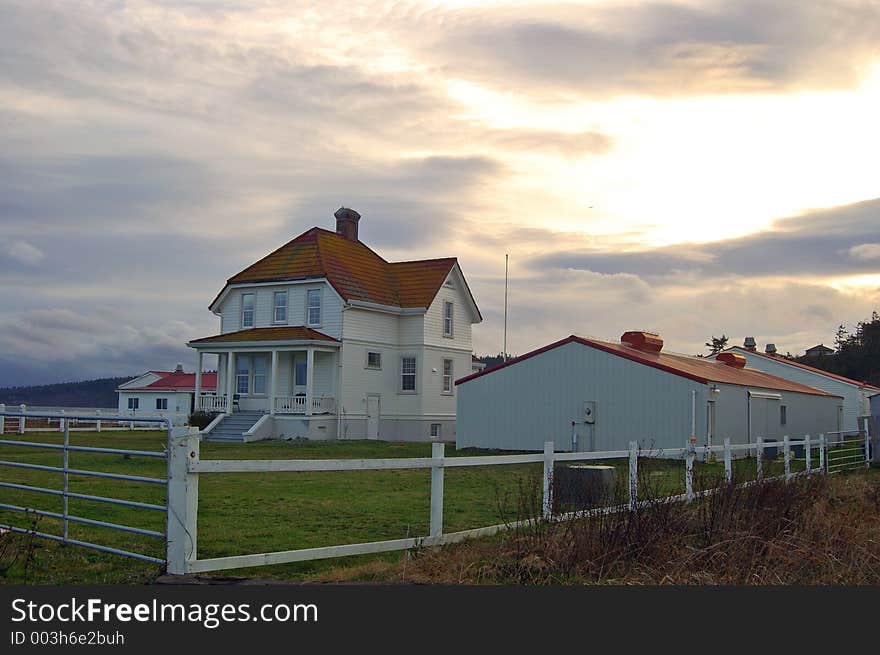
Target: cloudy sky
{"points": [[688, 167]]}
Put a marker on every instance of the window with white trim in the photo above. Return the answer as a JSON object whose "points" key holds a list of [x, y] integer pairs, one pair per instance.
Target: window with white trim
{"points": [[447, 319], [447, 376], [374, 360], [313, 306], [408, 373], [242, 375], [133, 403], [280, 306], [247, 310], [436, 429], [161, 403]]}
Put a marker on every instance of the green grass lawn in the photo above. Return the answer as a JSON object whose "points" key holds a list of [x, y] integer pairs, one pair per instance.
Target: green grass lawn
{"points": [[263, 512]]}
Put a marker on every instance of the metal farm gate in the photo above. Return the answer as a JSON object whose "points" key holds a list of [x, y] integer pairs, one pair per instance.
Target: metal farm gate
{"points": [[848, 451], [64, 449]]}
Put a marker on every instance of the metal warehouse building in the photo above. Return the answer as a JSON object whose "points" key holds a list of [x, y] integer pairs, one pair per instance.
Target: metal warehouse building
{"points": [[615, 393], [855, 393]]}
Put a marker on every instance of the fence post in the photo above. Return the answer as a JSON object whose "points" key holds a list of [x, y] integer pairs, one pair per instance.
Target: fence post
{"points": [[62, 422], [728, 464], [21, 419], [786, 458], [437, 453], [689, 473], [807, 459], [547, 508], [183, 499], [65, 478], [822, 453], [2, 418], [98, 421], [633, 474], [760, 459], [131, 423]]}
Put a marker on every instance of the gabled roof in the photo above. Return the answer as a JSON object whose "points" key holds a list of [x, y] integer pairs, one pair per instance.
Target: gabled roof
{"points": [[176, 381], [286, 333], [702, 370], [353, 269], [812, 369]]}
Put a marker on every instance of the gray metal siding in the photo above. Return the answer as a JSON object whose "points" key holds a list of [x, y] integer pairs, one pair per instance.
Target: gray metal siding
{"points": [[853, 403], [521, 406]]}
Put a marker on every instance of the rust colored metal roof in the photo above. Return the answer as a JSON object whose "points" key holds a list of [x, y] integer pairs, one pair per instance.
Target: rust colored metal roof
{"points": [[287, 333], [694, 368], [806, 367], [354, 270]]}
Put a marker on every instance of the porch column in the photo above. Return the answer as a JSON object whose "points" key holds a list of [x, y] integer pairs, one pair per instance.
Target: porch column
{"points": [[273, 384], [230, 380], [310, 378], [199, 362]]}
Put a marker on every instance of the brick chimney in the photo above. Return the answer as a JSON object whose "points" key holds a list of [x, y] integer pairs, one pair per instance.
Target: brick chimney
{"points": [[347, 223]]}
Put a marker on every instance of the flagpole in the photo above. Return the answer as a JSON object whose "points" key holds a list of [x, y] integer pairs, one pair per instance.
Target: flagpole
{"points": [[504, 350]]}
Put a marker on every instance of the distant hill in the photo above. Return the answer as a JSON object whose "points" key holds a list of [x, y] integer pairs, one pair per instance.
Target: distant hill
{"points": [[88, 393]]}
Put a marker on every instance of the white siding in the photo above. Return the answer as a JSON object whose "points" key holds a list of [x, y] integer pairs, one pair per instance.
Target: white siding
{"points": [[264, 308], [853, 396], [461, 320]]}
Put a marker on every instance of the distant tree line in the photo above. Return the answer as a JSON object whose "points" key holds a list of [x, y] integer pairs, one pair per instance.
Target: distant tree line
{"points": [[493, 360], [88, 393], [858, 353]]}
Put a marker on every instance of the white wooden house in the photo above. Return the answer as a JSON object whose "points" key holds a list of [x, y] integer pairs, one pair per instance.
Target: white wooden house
{"points": [[162, 393], [324, 339]]}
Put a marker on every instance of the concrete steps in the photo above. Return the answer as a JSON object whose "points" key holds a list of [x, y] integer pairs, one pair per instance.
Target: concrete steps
{"points": [[231, 428]]}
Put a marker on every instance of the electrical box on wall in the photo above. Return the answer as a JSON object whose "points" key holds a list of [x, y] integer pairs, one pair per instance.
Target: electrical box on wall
{"points": [[590, 411]]}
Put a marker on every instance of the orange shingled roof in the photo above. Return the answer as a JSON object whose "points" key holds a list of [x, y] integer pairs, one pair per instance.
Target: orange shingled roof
{"points": [[694, 368], [287, 333], [354, 270]]}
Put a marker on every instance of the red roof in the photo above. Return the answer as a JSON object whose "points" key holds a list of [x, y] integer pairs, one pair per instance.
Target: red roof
{"points": [[694, 368], [813, 369], [353, 269], [177, 381], [286, 333]]}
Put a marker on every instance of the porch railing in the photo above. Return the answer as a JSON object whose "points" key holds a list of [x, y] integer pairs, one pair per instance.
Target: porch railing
{"points": [[212, 403], [297, 405]]}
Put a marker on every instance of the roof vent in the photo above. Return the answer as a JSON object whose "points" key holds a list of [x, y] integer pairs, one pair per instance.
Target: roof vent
{"points": [[749, 344], [732, 359], [347, 223], [178, 368], [770, 349], [646, 341]]}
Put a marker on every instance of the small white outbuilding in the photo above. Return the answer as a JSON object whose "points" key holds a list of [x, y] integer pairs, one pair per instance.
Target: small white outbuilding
{"points": [[588, 395]]}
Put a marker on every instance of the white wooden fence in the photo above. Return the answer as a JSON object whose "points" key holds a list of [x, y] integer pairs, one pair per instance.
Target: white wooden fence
{"points": [[80, 419], [185, 468]]}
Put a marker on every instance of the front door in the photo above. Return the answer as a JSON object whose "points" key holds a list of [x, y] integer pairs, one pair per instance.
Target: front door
{"points": [[372, 417]]}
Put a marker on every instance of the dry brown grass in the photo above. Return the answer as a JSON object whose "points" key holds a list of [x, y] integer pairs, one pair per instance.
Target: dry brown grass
{"points": [[813, 531]]}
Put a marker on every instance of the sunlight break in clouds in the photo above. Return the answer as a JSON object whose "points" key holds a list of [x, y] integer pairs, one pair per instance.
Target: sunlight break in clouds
{"points": [[697, 167]]}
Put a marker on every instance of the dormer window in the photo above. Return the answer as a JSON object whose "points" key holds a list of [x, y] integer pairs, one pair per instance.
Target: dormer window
{"points": [[313, 309], [447, 319], [247, 310], [280, 305]]}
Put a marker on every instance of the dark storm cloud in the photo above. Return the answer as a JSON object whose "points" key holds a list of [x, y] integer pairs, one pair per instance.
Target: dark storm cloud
{"points": [[662, 48], [824, 243]]}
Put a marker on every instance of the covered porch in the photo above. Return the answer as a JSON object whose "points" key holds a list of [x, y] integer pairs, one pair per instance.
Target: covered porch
{"points": [[294, 377]]}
